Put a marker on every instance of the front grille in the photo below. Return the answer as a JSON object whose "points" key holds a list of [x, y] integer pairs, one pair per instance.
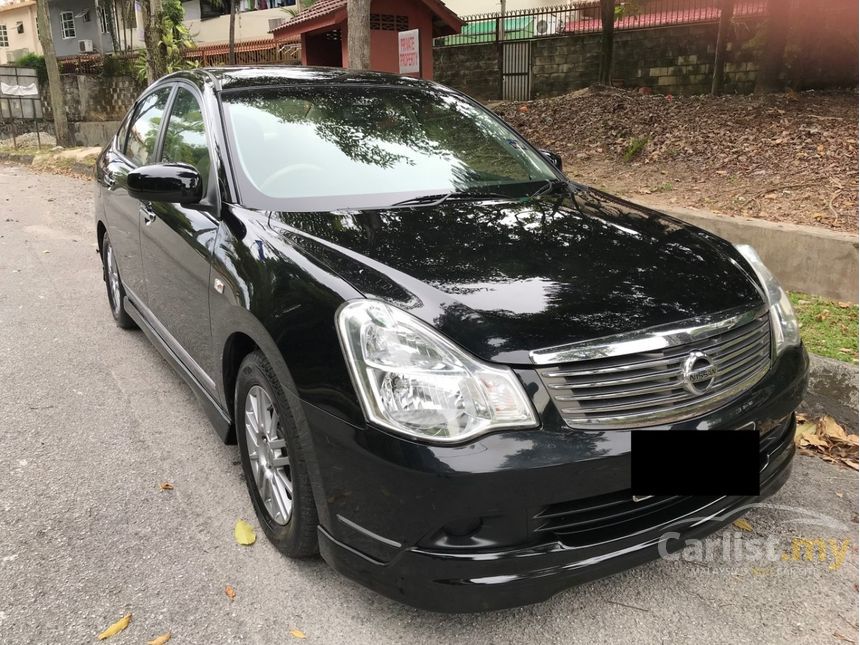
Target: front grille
{"points": [[609, 516], [648, 388]]}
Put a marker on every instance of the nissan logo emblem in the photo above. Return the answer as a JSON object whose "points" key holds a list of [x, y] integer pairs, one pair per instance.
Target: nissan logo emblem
{"points": [[698, 373]]}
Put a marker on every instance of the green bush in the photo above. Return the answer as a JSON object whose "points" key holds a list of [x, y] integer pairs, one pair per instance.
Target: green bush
{"points": [[37, 62], [117, 66]]}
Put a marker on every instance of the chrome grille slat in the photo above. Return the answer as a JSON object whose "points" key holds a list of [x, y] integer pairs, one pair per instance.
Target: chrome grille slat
{"points": [[588, 396], [617, 381], [669, 359], [648, 388]]}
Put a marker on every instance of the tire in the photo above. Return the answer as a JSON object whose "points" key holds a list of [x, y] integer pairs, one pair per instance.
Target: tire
{"points": [[271, 457], [115, 290]]}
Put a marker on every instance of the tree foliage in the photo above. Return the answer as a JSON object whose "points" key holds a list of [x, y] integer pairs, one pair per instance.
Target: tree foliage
{"points": [[175, 39]]}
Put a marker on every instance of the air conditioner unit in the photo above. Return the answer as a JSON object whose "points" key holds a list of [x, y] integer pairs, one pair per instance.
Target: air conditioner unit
{"points": [[548, 25], [274, 23], [86, 46]]}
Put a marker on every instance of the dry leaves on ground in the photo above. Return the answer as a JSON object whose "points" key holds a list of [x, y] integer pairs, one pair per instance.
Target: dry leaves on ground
{"points": [[297, 633], [165, 486], [777, 157], [743, 525], [825, 438], [116, 628], [230, 592], [159, 640]]}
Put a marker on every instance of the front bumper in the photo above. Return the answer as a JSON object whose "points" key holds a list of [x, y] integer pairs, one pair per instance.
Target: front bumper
{"points": [[392, 505]]}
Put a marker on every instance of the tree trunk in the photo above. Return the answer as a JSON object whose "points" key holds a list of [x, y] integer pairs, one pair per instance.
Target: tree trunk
{"points": [[607, 23], [151, 16], [726, 11], [55, 87], [771, 62], [358, 28], [231, 37]]}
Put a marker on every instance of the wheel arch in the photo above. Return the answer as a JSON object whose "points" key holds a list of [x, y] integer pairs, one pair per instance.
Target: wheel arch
{"points": [[247, 335]]}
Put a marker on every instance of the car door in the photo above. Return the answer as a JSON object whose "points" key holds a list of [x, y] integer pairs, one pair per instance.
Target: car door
{"points": [[177, 241], [135, 145]]}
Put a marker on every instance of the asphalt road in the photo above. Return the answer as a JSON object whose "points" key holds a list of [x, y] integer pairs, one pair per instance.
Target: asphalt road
{"points": [[93, 420]]}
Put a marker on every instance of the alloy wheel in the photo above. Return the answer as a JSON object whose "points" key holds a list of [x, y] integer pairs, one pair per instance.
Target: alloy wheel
{"points": [[267, 452], [113, 280]]}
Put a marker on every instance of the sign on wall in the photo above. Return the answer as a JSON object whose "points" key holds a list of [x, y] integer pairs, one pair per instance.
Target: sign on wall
{"points": [[409, 52]]}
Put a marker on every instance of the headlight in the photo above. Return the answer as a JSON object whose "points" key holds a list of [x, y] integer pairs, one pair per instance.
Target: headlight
{"points": [[412, 380], [783, 321]]}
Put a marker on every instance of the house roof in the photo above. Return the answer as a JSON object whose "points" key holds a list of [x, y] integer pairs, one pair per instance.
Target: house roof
{"points": [[15, 4], [323, 13]]}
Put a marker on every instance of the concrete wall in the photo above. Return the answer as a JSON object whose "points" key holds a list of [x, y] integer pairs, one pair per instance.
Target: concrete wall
{"points": [[811, 260], [250, 25], [671, 60], [95, 98], [10, 16], [473, 69]]}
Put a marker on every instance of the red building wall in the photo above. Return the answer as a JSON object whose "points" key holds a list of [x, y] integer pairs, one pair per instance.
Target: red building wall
{"points": [[383, 44]]}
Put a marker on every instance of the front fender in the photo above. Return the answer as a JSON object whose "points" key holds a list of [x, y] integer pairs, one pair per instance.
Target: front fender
{"points": [[284, 302]]}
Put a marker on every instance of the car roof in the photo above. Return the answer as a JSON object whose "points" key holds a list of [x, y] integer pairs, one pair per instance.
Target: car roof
{"points": [[224, 78]]}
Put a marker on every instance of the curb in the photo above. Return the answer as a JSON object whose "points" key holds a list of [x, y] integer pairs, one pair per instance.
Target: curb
{"points": [[17, 158], [27, 160], [832, 390]]}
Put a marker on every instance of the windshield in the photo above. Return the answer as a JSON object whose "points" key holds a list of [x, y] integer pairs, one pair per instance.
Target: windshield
{"points": [[330, 147]]}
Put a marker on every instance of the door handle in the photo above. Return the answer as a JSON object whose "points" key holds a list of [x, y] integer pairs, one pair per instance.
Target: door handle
{"points": [[147, 213]]}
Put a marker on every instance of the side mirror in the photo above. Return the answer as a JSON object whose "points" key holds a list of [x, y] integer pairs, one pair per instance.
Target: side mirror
{"points": [[553, 158], [176, 183]]}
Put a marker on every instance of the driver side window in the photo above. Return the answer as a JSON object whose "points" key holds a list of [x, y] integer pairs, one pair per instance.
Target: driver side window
{"points": [[185, 137]]}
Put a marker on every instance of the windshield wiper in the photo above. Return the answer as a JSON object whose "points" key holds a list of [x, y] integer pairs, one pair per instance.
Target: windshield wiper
{"points": [[435, 200], [550, 184]]}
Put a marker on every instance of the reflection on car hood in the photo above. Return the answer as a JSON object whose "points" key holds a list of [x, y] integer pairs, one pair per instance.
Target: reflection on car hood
{"points": [[502, 278]]}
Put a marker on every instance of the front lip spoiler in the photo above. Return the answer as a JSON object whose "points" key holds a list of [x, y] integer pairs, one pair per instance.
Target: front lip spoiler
{"points": [[457, 582]]}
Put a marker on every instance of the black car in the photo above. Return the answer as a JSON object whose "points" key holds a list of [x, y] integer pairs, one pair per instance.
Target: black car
{"points": [[429, 344]]}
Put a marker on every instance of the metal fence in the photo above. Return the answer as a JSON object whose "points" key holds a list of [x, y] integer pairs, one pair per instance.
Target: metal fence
{"points": [[584, 17], [20, 106], [254, 52]]}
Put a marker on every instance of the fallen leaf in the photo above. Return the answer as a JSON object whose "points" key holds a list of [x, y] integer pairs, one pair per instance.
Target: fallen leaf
{"points": [[743, 525], [165, 486], [805, 429], [159, 640], [297, 633], [231, 593], [116, 628], [844, 305], [829, 428], [840, 495], [851, 464], [823, 315], [244, 533]]}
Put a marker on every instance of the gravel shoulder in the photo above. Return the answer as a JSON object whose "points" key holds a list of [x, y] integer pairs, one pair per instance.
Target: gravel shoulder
{"points": [[94, 420]]}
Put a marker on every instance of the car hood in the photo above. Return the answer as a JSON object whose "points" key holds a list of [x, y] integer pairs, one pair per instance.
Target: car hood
{"points": [[505, 277]]}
